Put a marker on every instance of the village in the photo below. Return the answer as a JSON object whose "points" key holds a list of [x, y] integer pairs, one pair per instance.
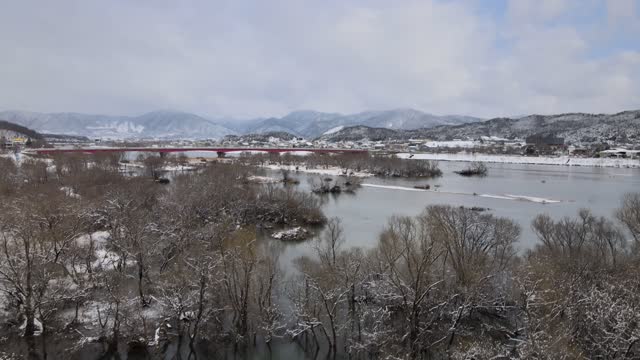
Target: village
{"points": [[532, 146]]}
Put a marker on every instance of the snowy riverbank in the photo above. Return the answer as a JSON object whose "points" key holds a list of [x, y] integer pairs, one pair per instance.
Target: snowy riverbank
{"points": [[330, 170], [528, 160]]}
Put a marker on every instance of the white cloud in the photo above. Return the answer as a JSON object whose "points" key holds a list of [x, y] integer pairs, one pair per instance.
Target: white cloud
{"points": [[268, 58], [621, 10], [534, 11]]}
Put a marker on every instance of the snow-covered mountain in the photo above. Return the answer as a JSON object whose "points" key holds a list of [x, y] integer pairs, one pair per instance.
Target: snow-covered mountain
{"points": [[361, 132], [402, 123], [575, 128], [312, 124], [174, 124], [157, 124]]}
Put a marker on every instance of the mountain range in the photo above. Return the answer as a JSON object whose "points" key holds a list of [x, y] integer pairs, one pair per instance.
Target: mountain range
{"points": [[174, 124], [575, 128], [157, 124], [312, 124], [373, 125]]}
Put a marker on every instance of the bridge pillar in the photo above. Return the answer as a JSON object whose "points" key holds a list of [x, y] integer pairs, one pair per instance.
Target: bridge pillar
{"points": [[163, 154], [221, 154]]}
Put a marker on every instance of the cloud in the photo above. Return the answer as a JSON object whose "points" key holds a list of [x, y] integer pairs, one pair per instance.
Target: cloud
{"points": [[622, 10], [255, 58], [535, 11]]}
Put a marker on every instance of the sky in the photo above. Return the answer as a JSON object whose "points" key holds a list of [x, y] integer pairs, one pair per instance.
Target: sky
{"points": [[258, 58]]}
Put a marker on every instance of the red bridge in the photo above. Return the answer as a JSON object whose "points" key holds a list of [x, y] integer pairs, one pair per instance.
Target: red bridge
{"points": [[219, 150]]}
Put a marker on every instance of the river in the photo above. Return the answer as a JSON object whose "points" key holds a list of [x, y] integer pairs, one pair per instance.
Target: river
{"points": [[509, 190]]}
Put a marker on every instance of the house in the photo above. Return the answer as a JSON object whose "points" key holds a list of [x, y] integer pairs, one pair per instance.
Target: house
{"points": [[620, 153]]}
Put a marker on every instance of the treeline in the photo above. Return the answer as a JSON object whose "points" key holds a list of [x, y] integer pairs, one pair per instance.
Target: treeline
{"points": [[377, 165], [95, 261]]}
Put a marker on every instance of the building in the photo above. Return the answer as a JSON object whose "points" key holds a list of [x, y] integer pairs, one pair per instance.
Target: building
{"points": [[620, 153], [543, 144], [13, 141]]}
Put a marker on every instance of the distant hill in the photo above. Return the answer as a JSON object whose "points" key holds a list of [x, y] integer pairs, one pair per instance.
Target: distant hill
{"points": [[400, 123], [175, 124], [361, 132], [264, 137], [158, 124], [576, 128], [312, 124], [623, 127], [9, 127]]}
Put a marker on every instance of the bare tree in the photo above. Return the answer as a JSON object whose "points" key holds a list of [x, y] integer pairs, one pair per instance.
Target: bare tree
{"points": [[329, 244], [128, 219], [629, 215], [476, 244], [34, 236]]}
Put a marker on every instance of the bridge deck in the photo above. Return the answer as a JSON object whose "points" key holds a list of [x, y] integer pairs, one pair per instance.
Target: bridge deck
{"points": [[92, 150]]}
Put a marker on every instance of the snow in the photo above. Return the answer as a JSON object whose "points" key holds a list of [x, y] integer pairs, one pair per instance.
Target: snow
{"points": [[333, 130], [156, 337], [37, 324], [295, 233], [534, 199], [104, 257], [454, 143], [620, 150], [16, 157], [131, 164], [524, 198], [392, 187], [178, 168], [263, 179], [300, 153], [68, 191], [538, 160], [99, 239], [331, 170]]}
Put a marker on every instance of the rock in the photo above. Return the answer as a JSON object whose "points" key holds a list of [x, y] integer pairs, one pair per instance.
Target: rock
{"points": [[293, 234]]}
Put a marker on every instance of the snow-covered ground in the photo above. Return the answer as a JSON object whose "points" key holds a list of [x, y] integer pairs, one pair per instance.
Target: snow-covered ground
{"points": [[68, 191], [16, 157], [178, 168], [533, 160], [263, 179], [493, 196], [104, 258], [332, 170], [296, 233], [333, 130], [454, 143], [466, 144]]}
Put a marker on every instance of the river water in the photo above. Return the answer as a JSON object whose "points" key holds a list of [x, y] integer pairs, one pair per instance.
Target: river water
{"points": [[566, 190]]}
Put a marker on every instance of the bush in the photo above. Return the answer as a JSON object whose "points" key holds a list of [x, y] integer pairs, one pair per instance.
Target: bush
{"points": [[474, 169]]}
